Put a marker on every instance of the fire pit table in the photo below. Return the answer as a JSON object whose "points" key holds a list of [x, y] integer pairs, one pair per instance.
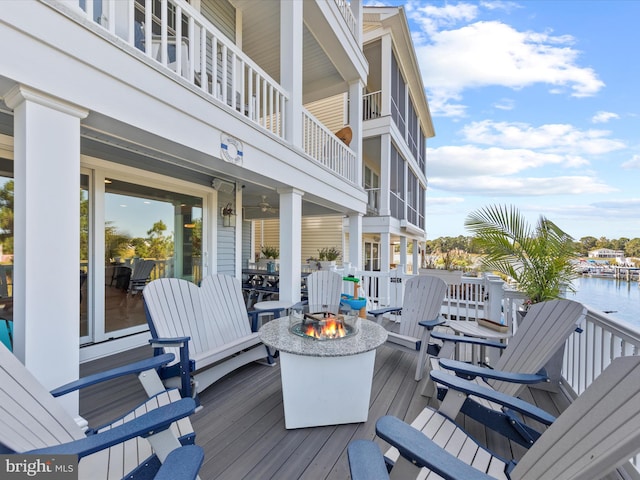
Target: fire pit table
{"points": [[324, 382]]}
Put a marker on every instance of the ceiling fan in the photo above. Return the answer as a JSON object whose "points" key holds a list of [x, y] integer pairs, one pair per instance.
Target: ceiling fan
{"points": [[264, 206]]}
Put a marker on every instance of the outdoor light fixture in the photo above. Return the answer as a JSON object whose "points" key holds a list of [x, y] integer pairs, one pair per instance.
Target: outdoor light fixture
{"points": [[228, 216]]}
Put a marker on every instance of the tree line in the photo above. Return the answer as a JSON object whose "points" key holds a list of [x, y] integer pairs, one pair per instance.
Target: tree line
{"points": [[461, 251]]}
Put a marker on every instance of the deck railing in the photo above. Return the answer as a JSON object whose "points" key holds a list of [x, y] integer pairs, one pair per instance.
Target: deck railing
{"points": [[179, 38], [587, 353], [327, 149], [371, 105], [347, 14]]}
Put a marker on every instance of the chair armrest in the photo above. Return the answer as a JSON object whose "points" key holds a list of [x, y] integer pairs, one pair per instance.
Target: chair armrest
{"points": [[366, 461], [382, 311], [155, 421], [253, 314], [471, 340], [181, 464], [137, 367], [514, 403], [419, 449], [185, 364], [431, 324], [472, 371], [169, 342]]}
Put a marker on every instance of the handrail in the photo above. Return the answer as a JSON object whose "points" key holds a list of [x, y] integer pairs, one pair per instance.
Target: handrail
{"points": [[347, 14], [327, 149], [195, 50], [372, 105]]}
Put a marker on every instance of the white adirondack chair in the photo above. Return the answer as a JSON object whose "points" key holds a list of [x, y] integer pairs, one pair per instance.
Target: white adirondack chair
{"points": [[34, 422], [593, 438], [541, 335], [206, 327], [423, 297], [324, 288]]}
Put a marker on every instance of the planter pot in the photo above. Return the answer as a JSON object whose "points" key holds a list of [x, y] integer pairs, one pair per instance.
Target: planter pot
{"points": [[327, 265]]}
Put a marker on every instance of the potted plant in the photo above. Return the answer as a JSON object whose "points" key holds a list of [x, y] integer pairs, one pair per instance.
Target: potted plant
{"points": [[269, 257], [539, 260], [327, 257]]}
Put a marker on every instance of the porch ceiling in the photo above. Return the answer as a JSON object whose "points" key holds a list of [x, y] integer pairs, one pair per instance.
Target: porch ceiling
{"points": [[261, 41]]}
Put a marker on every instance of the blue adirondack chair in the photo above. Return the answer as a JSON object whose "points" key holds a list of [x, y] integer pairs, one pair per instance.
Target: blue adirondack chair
{"points": [[34, 422], [594, 437]]}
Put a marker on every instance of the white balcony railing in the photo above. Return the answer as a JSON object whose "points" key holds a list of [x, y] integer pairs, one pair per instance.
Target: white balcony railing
{"points": [[327, 149], [345, 9], [371, 105], [180, 39], [373, 201]]}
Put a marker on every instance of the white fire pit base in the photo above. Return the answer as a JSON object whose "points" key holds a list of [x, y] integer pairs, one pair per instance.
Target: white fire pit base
{"points": [[326, 390], [324, 382]]}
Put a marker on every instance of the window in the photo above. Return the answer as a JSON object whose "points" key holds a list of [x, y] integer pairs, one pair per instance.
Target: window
{"points": [[397, 184], [150, 232]]}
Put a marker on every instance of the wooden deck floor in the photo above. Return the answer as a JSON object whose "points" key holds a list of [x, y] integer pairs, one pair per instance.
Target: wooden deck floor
{"points": [[241, 426]]}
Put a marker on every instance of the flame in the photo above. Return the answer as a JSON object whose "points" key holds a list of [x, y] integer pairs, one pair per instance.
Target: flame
{"points": [[329, 328]]}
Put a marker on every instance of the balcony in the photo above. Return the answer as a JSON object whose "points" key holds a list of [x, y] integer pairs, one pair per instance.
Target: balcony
{"points": [[189, 48]]}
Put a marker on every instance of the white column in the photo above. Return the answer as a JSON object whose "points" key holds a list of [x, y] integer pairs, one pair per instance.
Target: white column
{"points": [[290, 244], [355, 121], [356, 9], [385, 70], [385, 264], [403, 252], [416, 256], [385, 174], [355, 240], [47, 236], [291, 22]]}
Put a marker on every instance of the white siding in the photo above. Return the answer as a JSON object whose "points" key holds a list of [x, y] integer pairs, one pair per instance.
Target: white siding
{"points": [[226, 241]]}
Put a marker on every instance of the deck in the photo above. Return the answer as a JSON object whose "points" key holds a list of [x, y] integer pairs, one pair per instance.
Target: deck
{"points": [[241, 426]]}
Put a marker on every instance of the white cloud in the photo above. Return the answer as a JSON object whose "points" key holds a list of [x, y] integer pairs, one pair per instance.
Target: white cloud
{"points": [[604, 117], [470, 160], [432, 201], [633, 163], [551, 137], [517, 187], [505, 104], [491, 53]]}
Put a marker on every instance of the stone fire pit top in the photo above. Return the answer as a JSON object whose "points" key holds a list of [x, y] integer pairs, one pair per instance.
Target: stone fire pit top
{"points": [[276, 334]]}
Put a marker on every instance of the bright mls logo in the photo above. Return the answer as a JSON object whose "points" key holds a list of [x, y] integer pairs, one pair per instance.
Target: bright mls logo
{"points": [[19, 467]]}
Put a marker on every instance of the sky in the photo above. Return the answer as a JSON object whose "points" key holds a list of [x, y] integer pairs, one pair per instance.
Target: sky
{"points": [[535, 104]]}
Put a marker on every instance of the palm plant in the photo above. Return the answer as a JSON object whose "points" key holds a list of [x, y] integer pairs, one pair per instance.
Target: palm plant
{"points": [[538, 259]]}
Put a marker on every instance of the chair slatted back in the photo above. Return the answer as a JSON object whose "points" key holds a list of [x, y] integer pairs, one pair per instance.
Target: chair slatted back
{"points": [[31, 418], [544, 330], [324, 290], [423, 297], [213, 314], [174, 310], [224, 306], [598, 432], [142, 270]]}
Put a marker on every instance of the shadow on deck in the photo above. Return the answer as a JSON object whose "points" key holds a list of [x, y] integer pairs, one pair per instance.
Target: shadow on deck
{"points": [[241, 426]]}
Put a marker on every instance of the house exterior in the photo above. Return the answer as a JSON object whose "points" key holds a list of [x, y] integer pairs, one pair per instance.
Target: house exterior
{"points": [[606, 253], [396, 123], [181, 124]]}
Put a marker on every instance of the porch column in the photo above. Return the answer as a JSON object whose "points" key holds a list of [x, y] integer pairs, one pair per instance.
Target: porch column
{"points": [[355, 240], [291, 22], [385, 175], [416, 261], [403, 252], [355, 122], [385, 266], [290, 244], [47, 237]]}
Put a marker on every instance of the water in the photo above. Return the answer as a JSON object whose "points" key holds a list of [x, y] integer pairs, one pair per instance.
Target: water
{"points": [[619, 297]]}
